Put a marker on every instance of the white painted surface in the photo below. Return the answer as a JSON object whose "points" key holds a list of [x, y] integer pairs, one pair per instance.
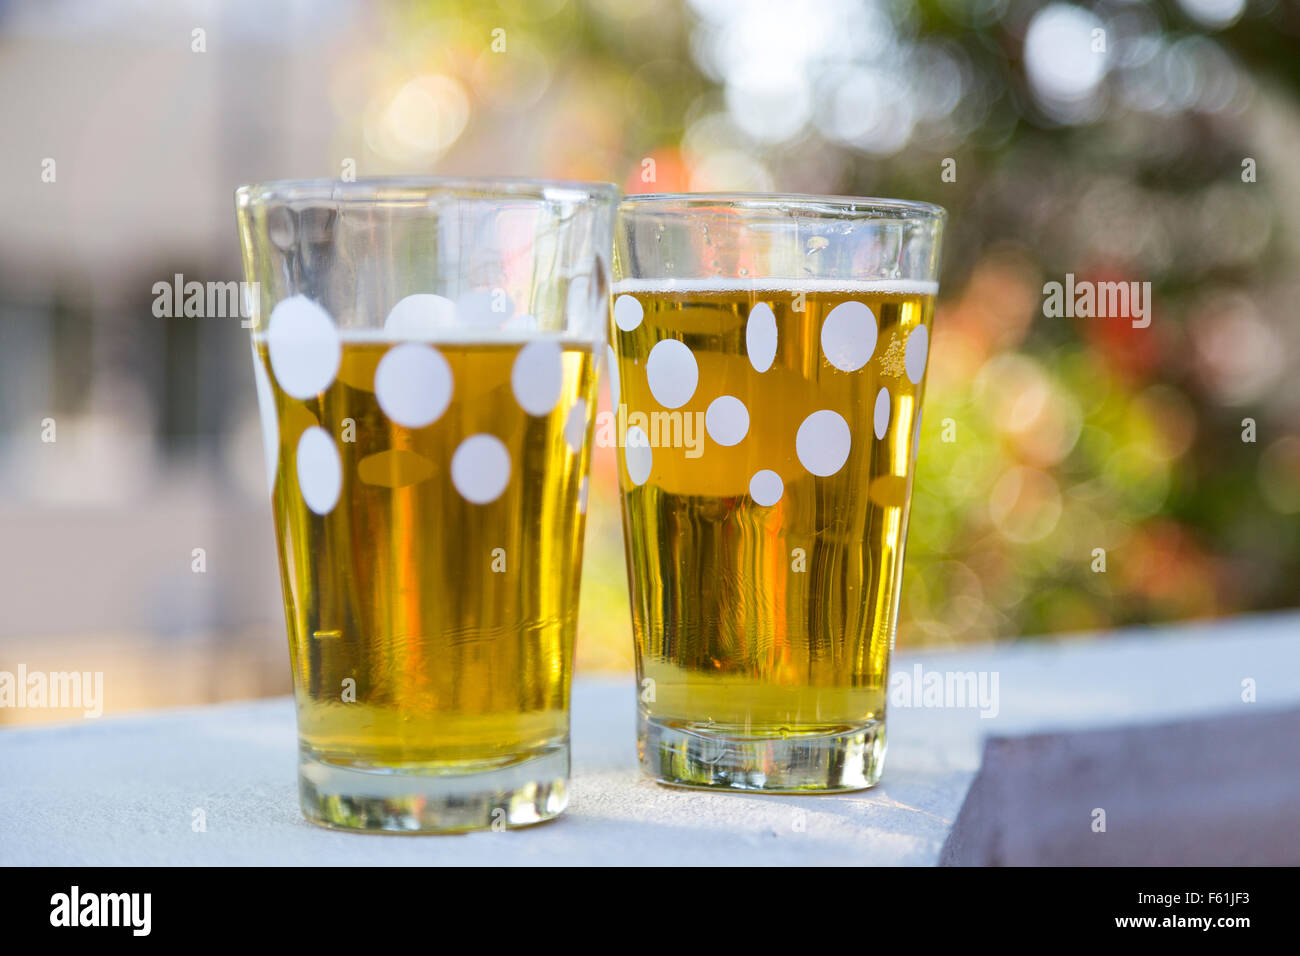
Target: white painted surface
{"points": [[123, 791]]}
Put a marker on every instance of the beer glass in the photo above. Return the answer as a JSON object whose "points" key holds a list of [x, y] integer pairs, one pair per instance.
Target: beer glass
{"points": [[424, 353], [770, 362]]}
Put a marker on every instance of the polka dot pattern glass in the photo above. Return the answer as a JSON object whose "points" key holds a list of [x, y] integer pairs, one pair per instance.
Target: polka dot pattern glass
{"points": [[770, 355], [425, 357]]}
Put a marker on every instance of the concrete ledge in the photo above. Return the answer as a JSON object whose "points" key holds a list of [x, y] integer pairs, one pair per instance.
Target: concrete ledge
{"points": [[1150, 726], [1220, 792]]}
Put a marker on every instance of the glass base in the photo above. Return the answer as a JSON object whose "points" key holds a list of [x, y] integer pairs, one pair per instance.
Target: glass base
{"points": [[701, 755], [422, 800]]}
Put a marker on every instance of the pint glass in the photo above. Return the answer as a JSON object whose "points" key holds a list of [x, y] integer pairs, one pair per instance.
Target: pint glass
{"points": [[770, 357], [424, 358]]}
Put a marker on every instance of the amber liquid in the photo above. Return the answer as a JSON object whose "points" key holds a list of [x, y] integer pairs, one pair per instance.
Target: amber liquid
{"points": [[770, 620], [424, 629]]}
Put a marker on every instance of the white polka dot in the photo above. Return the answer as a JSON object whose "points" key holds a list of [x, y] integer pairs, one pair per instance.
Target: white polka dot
{"points": [[727, 420], [628, 312], [480, 469], [304, 346], [849, 336], [521, 323], [672, 373], [766, 488], [637, 455], [882, 412], [577, 304], [270, 420], [421, 316], [575, 427], [918, 348], [413, 384], [584, 486], [320, 474], [823, 442], [611, 366], [916, 435], [760, 337], [485, 307], [538, 376]]}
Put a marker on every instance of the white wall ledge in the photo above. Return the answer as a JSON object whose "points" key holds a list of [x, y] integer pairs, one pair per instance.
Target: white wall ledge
{"points": [[1149, 725]]}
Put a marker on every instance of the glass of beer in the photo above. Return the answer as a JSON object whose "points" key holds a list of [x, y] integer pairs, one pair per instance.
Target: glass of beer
{"points": [[424, 355], [770, 356]]}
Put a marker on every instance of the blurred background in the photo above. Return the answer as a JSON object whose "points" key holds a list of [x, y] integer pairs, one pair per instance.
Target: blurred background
{"points": [[1122, 140]]}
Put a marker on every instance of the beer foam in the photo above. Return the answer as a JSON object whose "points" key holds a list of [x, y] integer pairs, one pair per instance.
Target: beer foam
{"points": [[452, 336], [776, 284]]}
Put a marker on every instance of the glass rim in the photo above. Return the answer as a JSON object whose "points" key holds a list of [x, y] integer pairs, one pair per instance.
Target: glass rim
{"points": [[834, 205], [418, 190]]}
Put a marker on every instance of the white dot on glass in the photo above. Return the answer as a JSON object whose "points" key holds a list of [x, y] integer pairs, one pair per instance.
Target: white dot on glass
{"points": [[480, 469], [413, 384], [760, 337], [849, 336], [320, 474], [420, 316], [577, 304], [918, 347], [727, 420], [766, 488], [628, 312], [488, 307], [637, 455], [822, 442], [584, 486], [575, 426], [882, 412], [270, 421], [611, 366], [672, 373], [538, 376], [304, 346]]}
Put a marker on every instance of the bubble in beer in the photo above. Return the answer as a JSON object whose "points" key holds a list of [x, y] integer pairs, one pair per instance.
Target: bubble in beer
{"points": [[823, 442], [413, 384], [480, 469], [304, 346], [320, 475], [672, 373], [849, 336]]}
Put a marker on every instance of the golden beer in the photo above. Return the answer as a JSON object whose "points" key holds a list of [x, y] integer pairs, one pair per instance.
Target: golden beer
{"points": [[765, 567], [432, 632]]}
